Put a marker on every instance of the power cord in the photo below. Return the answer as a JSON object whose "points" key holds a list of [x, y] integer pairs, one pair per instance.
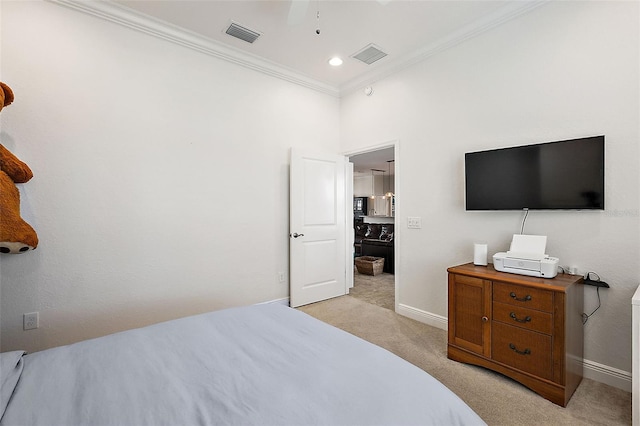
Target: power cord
{"points": [[594, 282], [524, 220], [587, 276], [597, 283], [586, 317]]}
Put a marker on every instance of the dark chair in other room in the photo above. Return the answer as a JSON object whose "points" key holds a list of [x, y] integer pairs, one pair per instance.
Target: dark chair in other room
{"points": [[375, 239]]}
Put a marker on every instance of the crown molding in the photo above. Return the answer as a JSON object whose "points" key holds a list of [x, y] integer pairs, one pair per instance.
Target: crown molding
{"points": [[498, 17], [129, 18]]}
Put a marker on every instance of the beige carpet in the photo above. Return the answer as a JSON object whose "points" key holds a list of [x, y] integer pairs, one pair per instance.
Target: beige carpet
{"points": [[378, 290], [497, 399]]}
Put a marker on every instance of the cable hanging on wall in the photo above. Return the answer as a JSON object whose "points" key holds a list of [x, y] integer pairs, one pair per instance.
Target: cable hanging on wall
{"points": [[524, 220]]}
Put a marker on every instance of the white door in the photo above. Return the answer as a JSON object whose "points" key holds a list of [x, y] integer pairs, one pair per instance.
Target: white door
{"points": [[317, 247]]}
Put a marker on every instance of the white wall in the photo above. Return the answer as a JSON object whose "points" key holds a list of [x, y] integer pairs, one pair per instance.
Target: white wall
{"points": [[160, 182], [564, 70]]}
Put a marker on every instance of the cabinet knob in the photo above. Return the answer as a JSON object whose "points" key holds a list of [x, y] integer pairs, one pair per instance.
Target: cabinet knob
{"points": [[485, 319]]}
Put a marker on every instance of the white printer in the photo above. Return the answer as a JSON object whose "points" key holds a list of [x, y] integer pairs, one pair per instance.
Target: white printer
{"points": [[526, 257]]}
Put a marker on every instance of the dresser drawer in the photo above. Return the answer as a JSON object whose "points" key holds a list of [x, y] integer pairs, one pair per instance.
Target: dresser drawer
{"points": [[522, 349], [529, 319], [527, 297], [464, 279]]}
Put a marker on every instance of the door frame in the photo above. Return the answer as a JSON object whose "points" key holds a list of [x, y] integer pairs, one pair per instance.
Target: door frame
{"points": [[398, 231]]}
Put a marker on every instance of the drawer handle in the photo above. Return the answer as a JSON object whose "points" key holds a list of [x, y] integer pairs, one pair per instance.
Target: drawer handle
{"points": [[525, 299], [525, 319], [513, 348]]}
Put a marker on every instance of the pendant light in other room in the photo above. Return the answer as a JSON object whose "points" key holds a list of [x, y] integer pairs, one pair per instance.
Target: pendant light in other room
{"points": [[373, 192], [390, 193]]}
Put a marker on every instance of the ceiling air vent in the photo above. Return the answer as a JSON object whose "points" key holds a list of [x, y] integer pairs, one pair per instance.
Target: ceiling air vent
{"points": [[369, 54], [243, 33]]}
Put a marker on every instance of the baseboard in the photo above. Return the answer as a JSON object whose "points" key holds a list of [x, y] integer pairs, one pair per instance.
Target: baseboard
{"points": [[591, 370], [425, 317], [283, 301], [608, 375]]}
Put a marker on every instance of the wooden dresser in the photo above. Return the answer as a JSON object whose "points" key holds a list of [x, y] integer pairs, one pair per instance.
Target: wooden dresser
{"points": [[527, 328]]}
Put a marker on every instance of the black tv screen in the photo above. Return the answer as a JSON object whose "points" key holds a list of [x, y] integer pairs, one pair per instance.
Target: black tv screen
{"points": [[565, 175]]}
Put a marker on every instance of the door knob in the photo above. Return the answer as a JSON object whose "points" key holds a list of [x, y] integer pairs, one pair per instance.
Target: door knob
{"points": [[296, 235]]}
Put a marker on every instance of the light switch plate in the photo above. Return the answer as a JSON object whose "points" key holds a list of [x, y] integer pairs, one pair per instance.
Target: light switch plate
{"points": [[414, 222]]}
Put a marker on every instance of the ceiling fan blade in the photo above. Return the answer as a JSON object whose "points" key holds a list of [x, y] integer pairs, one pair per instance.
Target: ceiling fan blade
{"points": [[297, 11]]}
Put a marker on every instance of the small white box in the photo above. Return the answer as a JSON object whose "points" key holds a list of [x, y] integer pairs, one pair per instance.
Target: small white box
{"points": [[480, 254]]}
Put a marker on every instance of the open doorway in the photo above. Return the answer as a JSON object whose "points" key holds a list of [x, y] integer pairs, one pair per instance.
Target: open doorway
{"points": [[374, 214]]}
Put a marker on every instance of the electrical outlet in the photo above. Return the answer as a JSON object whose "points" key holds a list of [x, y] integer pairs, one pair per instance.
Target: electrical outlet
{"points": [[281, 277], [30, 321], [414, 222]]}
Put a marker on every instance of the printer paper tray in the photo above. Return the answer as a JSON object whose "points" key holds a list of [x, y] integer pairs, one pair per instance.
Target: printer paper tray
{"points": [[518, 264]]}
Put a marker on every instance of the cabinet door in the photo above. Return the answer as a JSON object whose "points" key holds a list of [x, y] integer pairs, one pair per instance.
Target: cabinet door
{"points": [[362, 186], [381, 205], [469, 313]]}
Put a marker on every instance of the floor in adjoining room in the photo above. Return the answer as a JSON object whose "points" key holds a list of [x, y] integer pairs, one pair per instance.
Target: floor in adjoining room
{"points": [[377, 290]]}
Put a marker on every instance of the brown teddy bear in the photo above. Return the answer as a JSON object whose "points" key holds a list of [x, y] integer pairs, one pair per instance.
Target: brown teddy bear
{"points": [[16, 235]]}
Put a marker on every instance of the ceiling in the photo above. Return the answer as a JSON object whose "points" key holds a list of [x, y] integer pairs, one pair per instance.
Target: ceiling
{"points": [[403, 29], [379, 160]]}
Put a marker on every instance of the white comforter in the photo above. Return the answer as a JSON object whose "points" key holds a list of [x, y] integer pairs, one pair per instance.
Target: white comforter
{"points": [[260, 365]]}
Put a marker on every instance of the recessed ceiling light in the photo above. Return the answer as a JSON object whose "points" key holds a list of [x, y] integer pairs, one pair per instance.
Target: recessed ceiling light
{"points": [[335, 61]]}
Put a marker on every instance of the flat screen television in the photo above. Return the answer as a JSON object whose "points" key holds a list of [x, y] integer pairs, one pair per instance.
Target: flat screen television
{"points": [[563, 175]]}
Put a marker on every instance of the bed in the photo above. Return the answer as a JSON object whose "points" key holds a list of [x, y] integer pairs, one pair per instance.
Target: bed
{"points": [[256, 365]]}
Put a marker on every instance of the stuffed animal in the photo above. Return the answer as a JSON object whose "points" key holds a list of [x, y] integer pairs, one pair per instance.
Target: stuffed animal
{"points": [[16, 235]]}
